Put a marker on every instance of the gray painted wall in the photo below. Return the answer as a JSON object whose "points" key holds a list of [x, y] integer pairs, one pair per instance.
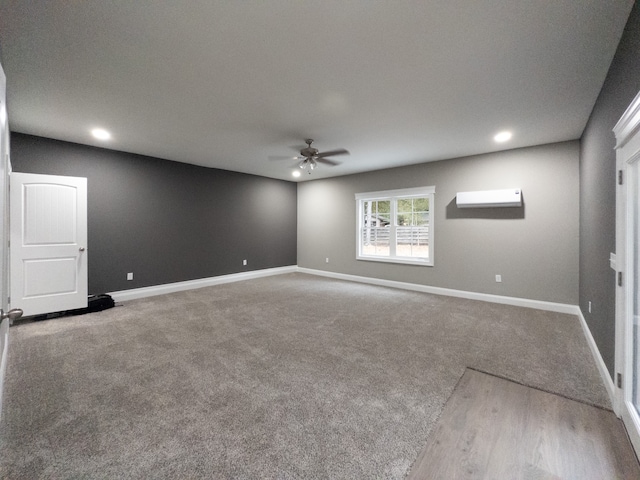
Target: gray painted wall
{"points": [[534, 248], [597, 190], [168, 221]]}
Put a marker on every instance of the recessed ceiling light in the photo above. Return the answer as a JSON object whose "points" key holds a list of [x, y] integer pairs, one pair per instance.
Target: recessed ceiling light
{"points": [[296, 173], [502, 137], [100, 134]]}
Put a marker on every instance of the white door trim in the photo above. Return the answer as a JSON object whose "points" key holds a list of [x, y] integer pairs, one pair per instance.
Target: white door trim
{"points": [[627, 132], [5, 167]]}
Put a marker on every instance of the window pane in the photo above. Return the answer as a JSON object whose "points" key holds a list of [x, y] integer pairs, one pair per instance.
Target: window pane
{"points": [[375, 234], [421, 219], [405, 205], [413, 211], [404, 210], [412, 242], [421, 204], [377, 213], [375, 241]]}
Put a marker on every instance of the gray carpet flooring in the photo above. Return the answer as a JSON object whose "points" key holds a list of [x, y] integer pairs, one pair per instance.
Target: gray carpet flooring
{"points": [[291, 376]]}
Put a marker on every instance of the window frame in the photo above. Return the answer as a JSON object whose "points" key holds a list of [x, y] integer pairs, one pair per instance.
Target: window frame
{"points": [[393, 196]]}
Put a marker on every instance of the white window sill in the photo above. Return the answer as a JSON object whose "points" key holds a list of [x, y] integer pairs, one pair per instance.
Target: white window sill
{"points": [[423, 262]]}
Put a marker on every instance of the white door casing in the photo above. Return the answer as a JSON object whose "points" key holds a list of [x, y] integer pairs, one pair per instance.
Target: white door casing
{"points": [[4, 230], [4, 196], [48, 216], [627, 132]]}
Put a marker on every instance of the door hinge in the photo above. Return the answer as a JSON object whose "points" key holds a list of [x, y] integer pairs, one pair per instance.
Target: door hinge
{"points": [[619, 380], [620, 177], [619, 279]]}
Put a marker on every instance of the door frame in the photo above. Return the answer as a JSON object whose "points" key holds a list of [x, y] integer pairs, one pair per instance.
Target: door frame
{"points": [[627, 133], [5, 167]]}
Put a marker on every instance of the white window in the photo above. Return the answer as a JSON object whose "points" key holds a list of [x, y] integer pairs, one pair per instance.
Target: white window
{"points": [[396, 226]]}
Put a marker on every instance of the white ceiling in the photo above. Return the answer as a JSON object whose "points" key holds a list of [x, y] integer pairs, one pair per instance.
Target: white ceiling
{"points": [[227, 84]]}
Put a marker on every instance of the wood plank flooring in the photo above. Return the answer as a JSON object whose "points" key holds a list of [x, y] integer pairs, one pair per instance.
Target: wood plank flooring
{"points": [[492, 428]]}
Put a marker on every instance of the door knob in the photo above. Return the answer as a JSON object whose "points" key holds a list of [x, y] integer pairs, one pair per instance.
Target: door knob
{"points": [[81, 249], [13, 314]]}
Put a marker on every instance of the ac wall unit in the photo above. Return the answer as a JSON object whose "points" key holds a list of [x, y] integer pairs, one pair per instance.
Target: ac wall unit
{"points": [[510, 197]]}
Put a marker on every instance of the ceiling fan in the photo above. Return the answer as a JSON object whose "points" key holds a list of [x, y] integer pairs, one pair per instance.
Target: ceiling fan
{"points": [[310, 157]]}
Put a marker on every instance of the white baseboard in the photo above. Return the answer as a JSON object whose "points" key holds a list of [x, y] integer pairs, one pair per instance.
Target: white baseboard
{"points": [[602, 368], [135, 293], [485, 297]]}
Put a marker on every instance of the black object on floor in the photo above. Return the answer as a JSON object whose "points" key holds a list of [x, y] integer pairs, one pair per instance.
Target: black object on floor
{"points": [[95, 303]]}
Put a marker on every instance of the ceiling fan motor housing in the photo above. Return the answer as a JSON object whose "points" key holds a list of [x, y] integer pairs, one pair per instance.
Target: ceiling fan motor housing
{"points": [[309, 151]]}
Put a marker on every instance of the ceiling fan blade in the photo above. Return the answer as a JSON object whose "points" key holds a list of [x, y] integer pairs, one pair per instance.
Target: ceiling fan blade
{"points": [[283, 157], [331, 153], [327, 161]]}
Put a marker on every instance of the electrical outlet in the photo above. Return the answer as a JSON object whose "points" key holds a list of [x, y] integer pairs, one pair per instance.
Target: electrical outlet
{"points": [[244, 262], [498, 278], [130, 276], [326, 260]]}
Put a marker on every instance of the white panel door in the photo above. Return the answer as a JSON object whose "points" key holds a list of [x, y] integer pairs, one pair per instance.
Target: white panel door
{"points": [[48, 247]]}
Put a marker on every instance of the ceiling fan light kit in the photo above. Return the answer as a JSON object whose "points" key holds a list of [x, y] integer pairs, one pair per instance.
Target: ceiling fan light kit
{"points": [[308, 163]]}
